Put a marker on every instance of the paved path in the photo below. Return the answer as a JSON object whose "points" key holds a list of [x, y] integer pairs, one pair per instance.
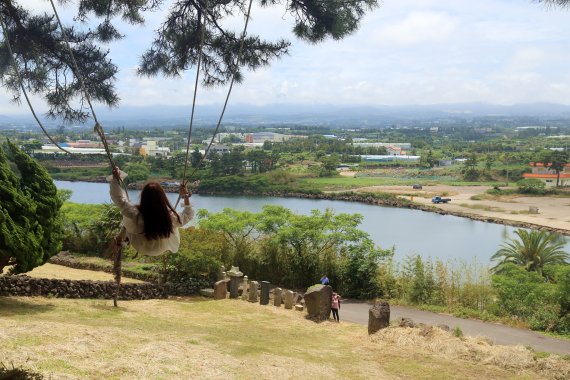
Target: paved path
{"points": [[357, 312]]}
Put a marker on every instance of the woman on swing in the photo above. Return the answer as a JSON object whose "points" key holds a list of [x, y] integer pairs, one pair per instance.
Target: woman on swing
{"points": [[151, 226]]}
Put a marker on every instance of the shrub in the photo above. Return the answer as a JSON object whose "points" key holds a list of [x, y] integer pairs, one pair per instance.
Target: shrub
{"points": [[531, 186], [200, 255], [18, 373], [527, 295]]}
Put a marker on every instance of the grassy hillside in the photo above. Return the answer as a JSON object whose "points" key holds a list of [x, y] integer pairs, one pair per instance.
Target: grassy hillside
{"points": [[230, 339]]}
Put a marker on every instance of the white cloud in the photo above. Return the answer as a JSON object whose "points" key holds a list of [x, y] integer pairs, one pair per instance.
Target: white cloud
{"points": [[417, 28], [406, 52], [526, 59]]}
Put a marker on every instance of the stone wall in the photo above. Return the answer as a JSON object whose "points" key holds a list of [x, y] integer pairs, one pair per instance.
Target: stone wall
{"points": [[22, 285], [179, 286]]}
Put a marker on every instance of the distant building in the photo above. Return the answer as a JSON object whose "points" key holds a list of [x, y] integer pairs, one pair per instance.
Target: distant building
{"points": [[151, 149], [405, 146], [222, 136], [85, 144], [547, 175], [261, 137], [52, 149], [387, 158], [395, 151], [219, 149]]}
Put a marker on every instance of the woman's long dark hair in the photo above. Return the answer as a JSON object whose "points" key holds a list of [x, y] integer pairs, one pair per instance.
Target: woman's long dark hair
{"points": [[155, 209]]}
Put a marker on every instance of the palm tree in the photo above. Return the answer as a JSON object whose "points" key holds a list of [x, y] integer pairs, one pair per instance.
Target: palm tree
{"points": [[533, 250]]}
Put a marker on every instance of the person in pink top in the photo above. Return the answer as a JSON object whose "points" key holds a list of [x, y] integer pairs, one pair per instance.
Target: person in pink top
{"points": [[335, 306]]}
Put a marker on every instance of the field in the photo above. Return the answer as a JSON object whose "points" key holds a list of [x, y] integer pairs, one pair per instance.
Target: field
{"points": [[193, 338], [59, 272]]}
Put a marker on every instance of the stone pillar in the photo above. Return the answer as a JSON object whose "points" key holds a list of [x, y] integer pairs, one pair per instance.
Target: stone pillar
{"points": [[244, 287], [220, 275], [264, 299], [235, 280], [253, 291], [220, 290], [277, 297], [289, 298], [378, 317]]}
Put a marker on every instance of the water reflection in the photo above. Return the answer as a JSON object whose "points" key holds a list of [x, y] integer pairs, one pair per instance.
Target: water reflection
{"points": [[410, 231]]}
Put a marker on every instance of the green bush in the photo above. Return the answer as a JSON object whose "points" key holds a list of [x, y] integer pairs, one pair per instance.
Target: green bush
{"points": [[457, 332], [527, 295], [531, 186], [294, 250], [360, 271], [89, 228], [200, 254]]}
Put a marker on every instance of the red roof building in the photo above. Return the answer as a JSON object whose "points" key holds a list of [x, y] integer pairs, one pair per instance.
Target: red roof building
{"points": [[548, 176]]}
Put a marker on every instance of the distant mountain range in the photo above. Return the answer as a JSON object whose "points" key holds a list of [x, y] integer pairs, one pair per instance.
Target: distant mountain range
{"points": [[314, 115]]}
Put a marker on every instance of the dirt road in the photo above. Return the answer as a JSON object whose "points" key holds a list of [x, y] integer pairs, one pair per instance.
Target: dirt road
{"points": [[357, 312], [553, 212]]}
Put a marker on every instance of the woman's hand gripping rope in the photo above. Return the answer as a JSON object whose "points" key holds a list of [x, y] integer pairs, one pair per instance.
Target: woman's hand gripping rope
{"points": [[185, 194]]}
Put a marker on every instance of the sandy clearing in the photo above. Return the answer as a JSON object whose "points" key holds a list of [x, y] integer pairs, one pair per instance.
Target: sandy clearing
{"points": [[553, 212], [65, 273]]}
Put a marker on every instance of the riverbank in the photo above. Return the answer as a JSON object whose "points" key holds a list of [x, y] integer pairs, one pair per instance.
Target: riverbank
{"points": [[554, 213], [390, 200]]}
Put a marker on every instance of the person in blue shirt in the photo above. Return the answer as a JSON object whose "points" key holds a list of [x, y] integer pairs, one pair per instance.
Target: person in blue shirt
{"points": [[324, 280]]}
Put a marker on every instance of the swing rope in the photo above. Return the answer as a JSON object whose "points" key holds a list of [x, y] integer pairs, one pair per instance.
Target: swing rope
{"points": [[118, 254], [202, 33], [235, 69], [23, 88], [234, 72]]}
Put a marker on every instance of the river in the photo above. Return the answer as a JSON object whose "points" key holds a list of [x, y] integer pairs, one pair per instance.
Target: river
{"points": [[409, 231]]}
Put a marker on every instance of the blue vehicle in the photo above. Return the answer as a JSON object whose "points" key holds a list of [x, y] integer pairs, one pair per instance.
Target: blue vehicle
{"points": [[439, 199]]}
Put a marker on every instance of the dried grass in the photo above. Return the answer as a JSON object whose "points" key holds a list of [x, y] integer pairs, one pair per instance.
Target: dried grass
{"points": [[193, 339], [60, 272], [474, 349]]}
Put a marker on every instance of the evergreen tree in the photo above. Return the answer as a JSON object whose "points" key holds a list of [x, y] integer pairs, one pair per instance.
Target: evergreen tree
{"points": [[195, 158], [31, 228], [47, 67]]}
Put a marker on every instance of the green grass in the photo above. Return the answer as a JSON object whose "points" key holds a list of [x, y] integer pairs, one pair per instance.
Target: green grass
{"points": [[347, 183], [81, 214], [78, 174], [138, 264]]}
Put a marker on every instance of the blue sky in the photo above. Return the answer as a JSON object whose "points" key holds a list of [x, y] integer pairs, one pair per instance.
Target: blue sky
{"points": [[406, 52]]}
